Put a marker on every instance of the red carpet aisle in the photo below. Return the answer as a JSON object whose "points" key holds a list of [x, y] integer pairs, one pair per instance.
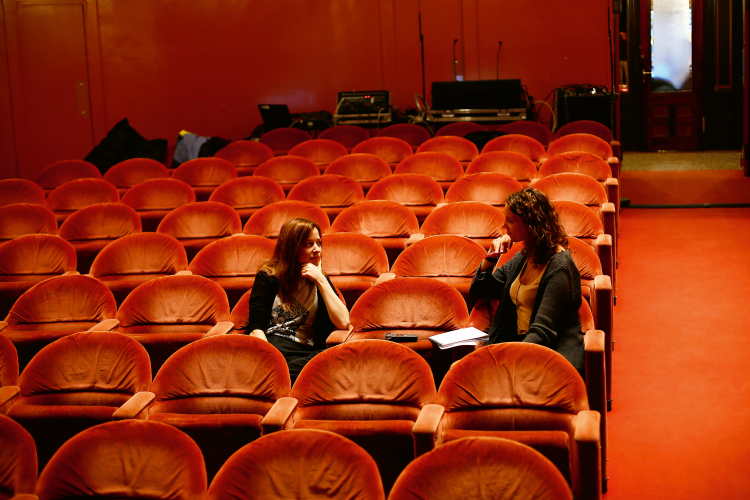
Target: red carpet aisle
{"points": [[685, 187], [680, 426]]}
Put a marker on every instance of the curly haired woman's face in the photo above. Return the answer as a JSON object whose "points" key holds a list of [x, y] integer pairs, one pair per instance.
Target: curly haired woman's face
{"points": [[311, 249], [514, 226]]}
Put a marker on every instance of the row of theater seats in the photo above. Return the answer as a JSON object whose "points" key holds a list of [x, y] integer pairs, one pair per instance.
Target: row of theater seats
{"points": [[281, 141], [227, 391]]}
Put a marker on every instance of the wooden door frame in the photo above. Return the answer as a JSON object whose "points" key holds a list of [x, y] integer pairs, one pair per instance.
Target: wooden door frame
{"points": [[697, 65], [93, 64]]}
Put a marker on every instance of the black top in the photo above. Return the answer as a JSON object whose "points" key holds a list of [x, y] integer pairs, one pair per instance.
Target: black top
{"points": [[264, 292], [554, 319]]}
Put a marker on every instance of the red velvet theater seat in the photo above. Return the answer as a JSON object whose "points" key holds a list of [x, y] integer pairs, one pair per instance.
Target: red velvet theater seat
{"points": [[155, 198], [354, 263], [77, 382], [8, 377], [55, 308], [499, 468], [586, 143], [460, 129], [60, 172], [595, 358], [348, 135], [131, 459], [364, 168], [20, 191], [197, 224], [92, 228], [594, 128], [531, 129], [509, 163], [128, 173], [17, 460], [530, 394], [322, 152], [232, 262], [441, 167], [389, 223], [587, 164], [527, 146], [29, 259], [411, 133], [488, 187], [580, 222], [586, 190], [268, 220], [281, 140], [475, 220], [298, 464], [449, 258], [287, 170], [24, 218], [370, 391], [217, 390], [80, 193], [390, 149], [422, 306], [248, 194], [132, 260], [245, 155], [167, 313], [204, 175], [420, 193], [459, 148], [333, 193]]}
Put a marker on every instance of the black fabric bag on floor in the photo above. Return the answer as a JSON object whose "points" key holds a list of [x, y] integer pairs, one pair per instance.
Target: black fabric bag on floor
{"points": [[122, 143]]}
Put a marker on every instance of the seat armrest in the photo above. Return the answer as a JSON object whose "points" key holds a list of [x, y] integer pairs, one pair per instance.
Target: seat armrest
{"points": [[279, 416], [220, 328], [614, 165], [339, 336], [587, 438], [8, 393], [441, 204], [605, 252], [185, 272], [3, 325], [594, 351], [107, 325], [426, 427], [73, 273], [414, 238], [135, 406], [385, 277], [602, 303]]}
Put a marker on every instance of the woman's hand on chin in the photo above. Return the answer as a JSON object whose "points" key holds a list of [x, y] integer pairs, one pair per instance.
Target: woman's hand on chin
{"points": [[313, 272]]}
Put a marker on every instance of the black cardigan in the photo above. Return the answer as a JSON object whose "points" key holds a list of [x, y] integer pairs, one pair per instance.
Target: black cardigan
{"points": [[554, 319], [264, 292]]}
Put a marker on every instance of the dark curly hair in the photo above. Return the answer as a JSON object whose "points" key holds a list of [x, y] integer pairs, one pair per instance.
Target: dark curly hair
{"points": [[543, 226]]}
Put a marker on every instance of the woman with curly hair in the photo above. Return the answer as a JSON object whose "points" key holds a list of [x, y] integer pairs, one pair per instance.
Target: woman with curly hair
{"points": [[293, 305], [539, 289]]}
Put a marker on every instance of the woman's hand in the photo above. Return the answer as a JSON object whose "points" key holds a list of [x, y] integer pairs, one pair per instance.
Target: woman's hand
{"points": [[314, 273], [498, 247]]}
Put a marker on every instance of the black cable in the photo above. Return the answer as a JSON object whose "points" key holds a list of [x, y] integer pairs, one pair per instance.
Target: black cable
{"points": [[497, 67]]}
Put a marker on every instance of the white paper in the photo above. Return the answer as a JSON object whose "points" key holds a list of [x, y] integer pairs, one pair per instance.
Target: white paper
{"points": [[463, 336]]}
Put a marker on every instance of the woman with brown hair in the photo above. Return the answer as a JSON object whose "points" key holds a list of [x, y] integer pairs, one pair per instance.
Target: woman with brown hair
{"points": [[293, 305], [539, 289]]}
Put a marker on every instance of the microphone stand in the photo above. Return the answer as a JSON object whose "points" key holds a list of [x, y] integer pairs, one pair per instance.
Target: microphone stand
{"points": [[421, 42]]}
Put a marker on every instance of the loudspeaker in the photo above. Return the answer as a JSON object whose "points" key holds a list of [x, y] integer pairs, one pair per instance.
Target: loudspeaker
{"points": [[478, 94], [571, 108]]}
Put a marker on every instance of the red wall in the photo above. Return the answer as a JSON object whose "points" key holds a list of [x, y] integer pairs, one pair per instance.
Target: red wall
{"points": [[204, 65]]}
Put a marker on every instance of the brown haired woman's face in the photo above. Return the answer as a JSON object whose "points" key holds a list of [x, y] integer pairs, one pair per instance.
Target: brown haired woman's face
{"points": [[514, 226], [311, 248]]}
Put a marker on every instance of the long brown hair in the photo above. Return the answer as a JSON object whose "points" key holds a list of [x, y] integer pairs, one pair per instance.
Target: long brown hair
{"points": [[284, 264], [545, 233]]}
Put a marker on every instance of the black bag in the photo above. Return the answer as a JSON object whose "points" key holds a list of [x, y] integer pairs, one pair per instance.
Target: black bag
{"points": [[123, 143]]}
